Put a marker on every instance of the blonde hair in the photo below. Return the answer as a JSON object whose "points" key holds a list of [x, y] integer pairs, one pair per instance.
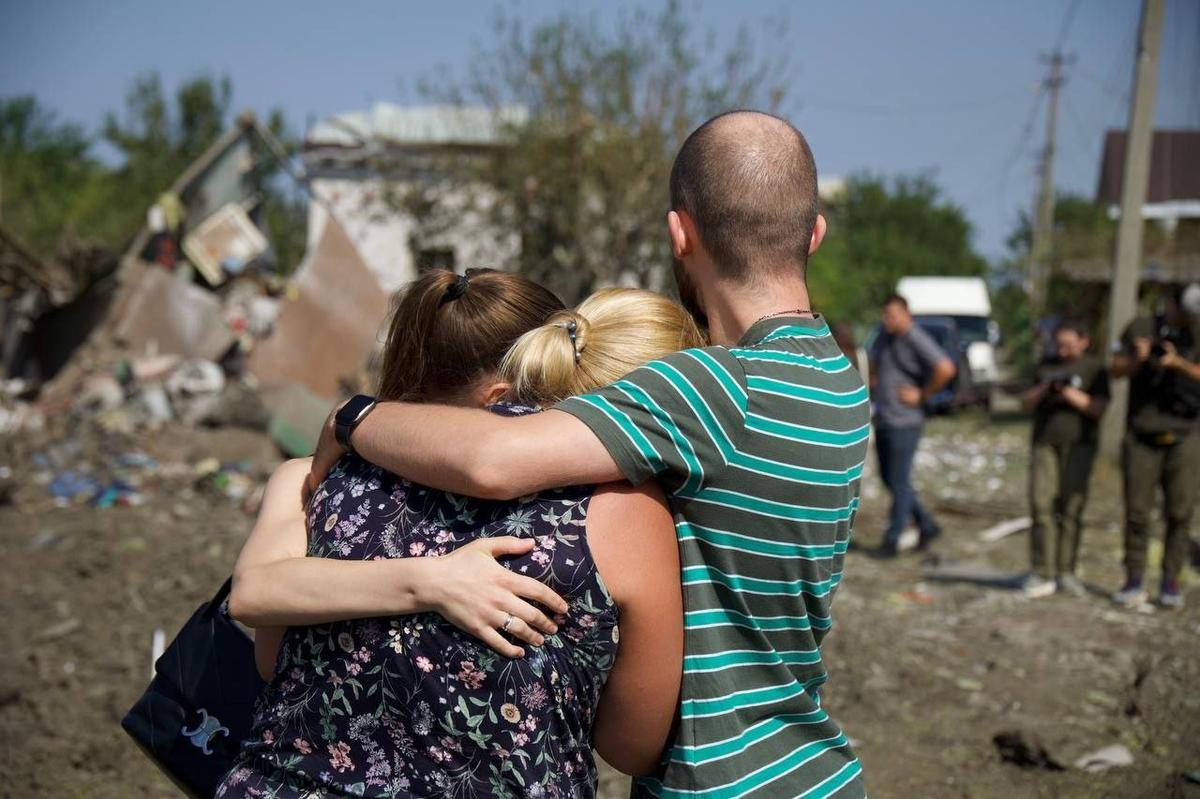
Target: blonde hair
{"points": [[610, 334]]}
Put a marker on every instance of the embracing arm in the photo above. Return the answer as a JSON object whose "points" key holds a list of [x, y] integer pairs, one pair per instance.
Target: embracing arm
{"points": [[632, 539], [276, 584], [475, 452]]}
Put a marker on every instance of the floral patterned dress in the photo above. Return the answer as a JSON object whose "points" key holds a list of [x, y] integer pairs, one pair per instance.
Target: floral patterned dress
{"points": [[410, 706]]}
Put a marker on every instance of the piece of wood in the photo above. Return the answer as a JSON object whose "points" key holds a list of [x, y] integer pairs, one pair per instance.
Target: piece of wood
{"points": [[1005, 529]]}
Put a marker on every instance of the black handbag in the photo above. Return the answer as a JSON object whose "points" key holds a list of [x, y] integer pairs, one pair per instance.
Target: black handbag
{"points": [[199, 707]]}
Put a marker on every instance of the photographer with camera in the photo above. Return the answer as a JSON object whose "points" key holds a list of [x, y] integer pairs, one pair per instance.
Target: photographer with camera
{"points": [[1162, 444], [1068, 398]]}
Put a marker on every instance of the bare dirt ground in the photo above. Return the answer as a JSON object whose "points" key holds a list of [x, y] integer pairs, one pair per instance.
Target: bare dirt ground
{"points": [[925, 670]]}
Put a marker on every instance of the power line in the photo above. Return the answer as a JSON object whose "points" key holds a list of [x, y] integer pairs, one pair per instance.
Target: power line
{"points": [[909, 108], [1088, 147], [1066, 25], [998, 188]]}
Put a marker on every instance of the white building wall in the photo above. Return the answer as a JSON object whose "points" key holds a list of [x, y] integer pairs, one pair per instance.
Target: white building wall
{"points": [[384, 234]]}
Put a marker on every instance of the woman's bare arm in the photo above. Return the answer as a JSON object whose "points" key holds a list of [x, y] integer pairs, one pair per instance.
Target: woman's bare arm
{"points": [[275, 584], [266, 650], [632, 539]]}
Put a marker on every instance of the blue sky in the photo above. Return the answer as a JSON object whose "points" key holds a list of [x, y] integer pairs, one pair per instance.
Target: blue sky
{"points": [[891, 87]]}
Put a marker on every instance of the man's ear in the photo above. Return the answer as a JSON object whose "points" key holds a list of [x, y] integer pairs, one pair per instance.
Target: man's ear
{"points": [[818, 234], [681, 230]]}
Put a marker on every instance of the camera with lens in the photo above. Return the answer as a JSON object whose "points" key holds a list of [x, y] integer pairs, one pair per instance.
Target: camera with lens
{"points": [[1180, 339], [1057, 381], [1176, 394]]}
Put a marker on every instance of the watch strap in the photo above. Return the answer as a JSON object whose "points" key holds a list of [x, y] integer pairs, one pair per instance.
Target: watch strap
{"points": [[349, 416]]}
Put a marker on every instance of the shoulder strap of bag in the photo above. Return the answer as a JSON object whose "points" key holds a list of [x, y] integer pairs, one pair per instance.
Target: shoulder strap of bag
{"points": [[222, 594]]}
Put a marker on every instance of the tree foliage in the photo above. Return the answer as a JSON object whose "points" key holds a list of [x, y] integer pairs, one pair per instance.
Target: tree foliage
{"points": [[584, 182], [881, 230], [45, 167], [52, 183], [1082, 230]]}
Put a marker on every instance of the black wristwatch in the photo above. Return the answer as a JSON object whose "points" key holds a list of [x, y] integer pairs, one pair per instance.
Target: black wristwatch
{"points": [[349, 416]]}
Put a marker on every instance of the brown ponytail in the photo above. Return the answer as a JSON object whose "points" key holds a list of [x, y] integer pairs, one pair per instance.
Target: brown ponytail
{"points": [[448, 330]]}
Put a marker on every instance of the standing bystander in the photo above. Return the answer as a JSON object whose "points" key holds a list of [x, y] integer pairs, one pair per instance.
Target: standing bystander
{"points": [[1162, 444], [1068, 399], [907, 369]]}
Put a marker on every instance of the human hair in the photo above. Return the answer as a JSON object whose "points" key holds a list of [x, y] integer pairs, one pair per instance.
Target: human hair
{"points": [[749, 183], [447, 331], [894, 299], [1075, 326], [610, 334]]}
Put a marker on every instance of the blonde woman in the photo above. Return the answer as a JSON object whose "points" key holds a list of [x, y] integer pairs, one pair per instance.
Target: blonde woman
{"points": [[371, 691]]}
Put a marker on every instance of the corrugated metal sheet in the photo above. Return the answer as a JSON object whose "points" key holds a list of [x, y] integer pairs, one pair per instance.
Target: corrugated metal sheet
{"points": [[386, 123]]}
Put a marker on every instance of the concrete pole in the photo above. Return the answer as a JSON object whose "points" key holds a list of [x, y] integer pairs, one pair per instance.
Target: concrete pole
{"points": [[1043, 226], [1135, 180]]}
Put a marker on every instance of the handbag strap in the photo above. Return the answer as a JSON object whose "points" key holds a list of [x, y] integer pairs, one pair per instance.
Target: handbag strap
{"points": [[214, 604]]}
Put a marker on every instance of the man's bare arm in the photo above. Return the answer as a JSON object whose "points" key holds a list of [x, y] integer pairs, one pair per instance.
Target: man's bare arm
{"points": [[943, 373], [476, 452]]}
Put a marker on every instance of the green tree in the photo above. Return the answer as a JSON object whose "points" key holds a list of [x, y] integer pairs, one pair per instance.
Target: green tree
{"points": [[51, 184], [880, 231], [156, 140], [1083, 231], [44, 166], [584, 178]]}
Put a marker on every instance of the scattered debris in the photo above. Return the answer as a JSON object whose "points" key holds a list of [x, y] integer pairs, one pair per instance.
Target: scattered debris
{"points": [[297, 418], [1005, 529], [62, 628], [1114, 756], [226, 242], [1026, 750], [170, 314], [158, 644]]}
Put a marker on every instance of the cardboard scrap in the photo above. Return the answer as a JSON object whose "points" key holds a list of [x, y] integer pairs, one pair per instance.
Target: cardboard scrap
{"points": [[329, 322], [174, 316]]}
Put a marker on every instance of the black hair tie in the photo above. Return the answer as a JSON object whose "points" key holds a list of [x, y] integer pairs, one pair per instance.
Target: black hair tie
{"points": [[456, 289]]}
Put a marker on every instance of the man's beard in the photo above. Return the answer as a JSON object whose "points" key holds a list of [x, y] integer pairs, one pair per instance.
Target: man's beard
{"points": [[689, 297]]}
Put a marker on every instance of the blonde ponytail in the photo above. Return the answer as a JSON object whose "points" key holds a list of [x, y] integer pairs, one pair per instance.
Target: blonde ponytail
{"points": [[610, 334]]}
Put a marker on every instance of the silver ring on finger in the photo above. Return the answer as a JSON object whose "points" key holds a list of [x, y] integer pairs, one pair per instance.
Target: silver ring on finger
{"points": [[508, 620]]}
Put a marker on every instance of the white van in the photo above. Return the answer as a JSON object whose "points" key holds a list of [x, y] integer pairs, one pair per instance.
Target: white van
{"points": [[964, 300]]}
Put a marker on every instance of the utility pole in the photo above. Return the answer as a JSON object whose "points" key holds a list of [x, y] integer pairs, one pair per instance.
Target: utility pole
{"points": [[1043, 226], [1135, 179]]}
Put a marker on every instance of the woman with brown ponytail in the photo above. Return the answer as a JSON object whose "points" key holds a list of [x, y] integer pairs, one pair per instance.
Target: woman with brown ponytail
{"points": [[382, 683]]}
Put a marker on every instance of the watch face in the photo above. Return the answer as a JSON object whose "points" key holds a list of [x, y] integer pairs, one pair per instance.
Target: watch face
{"points": [[349, 416], [354, 408]]}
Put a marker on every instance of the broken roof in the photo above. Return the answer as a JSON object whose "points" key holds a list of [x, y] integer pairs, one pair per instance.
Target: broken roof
{"points": [[386, 123], [1174, 167]]}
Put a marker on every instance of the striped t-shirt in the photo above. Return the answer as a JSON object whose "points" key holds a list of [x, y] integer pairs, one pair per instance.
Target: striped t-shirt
{"points": [[760, 448]]}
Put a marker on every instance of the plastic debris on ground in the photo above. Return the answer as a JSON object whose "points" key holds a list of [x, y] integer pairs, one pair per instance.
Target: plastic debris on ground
{"points": [[1114, 756]]}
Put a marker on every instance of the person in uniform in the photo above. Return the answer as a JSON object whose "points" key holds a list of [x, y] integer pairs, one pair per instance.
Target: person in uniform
{"points": [[1069, 395], [1162, 444]]}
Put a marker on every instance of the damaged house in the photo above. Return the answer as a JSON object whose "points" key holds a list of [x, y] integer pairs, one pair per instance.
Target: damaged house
{"points": [[198, 292]]}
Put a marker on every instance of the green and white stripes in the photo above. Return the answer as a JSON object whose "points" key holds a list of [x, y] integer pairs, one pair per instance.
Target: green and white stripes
{"points": [[761, 449]]}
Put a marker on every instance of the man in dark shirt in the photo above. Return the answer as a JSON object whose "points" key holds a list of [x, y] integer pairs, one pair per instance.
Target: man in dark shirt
{"points": [[1162, 444], [907, 369], [1068, 398]]}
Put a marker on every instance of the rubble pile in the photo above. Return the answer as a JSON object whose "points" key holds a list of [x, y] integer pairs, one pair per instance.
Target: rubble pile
{"points": [[196, 324]]}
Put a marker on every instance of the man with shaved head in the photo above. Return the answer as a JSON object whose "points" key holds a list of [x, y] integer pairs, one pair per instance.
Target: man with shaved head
{"points": [[758, 441]]}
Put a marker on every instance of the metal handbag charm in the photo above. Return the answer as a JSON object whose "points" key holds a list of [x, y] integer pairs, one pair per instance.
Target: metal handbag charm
{"points": [[208, 728]]}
